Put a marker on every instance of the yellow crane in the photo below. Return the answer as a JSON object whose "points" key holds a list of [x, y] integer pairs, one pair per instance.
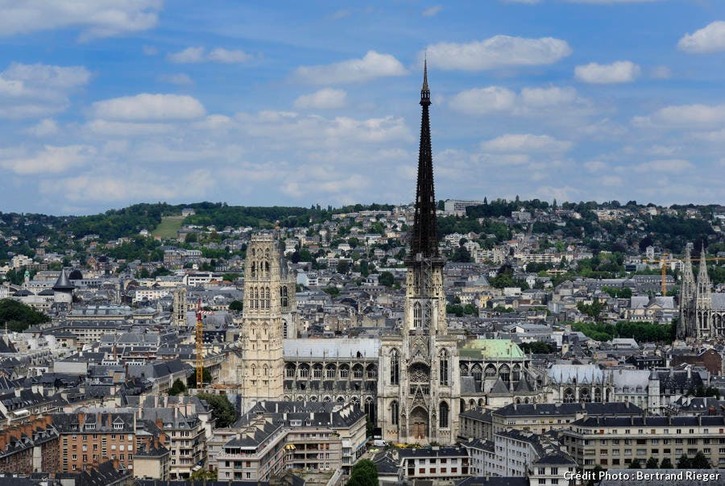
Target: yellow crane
{"points": [[199, 346], [665, 260]]}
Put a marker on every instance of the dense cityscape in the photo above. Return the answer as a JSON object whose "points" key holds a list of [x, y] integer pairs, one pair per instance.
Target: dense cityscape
{"points": [[362, 244], [531, 343]]}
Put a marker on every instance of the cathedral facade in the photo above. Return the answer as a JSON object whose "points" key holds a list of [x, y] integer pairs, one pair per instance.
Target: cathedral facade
{"points": [[702, 311], [408, 383], [419, 384]]}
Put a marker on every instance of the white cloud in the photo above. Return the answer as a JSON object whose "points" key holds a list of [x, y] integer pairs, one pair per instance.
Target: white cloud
{"points": [[228, 56], [684, 116], [548, 97], [708, 39], [530, 101], [373, 65], [44, 128], [324, 99], [138, 185], [149, 107], [94, 18], [125, 129], [199, 54], [527, 143], [497, 52], [484, 100], [665, 165], [188, 55], [595, 166], [617, 72], [432, 11], [179, 79], [50, 160], [36, 90]]}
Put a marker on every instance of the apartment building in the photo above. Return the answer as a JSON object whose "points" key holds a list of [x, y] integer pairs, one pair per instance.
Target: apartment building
{"points": [[292, 435], [92, 436], [614, 442]]}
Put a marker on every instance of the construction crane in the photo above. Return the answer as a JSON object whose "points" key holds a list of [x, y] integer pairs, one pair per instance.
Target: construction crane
{"points": [[665, 260], [199, 346]]}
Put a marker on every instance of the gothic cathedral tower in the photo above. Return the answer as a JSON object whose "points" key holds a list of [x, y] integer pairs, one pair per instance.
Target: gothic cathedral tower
{"points": [[262, 366], [419, 386]]}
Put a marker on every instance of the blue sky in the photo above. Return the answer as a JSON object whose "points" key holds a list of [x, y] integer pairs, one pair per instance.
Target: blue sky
{"points": [[109, 103]]}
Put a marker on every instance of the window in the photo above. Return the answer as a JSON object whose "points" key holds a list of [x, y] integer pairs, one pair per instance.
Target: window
{"points": [[394, 367], [444, 367], [443, 415], [394, 413]]}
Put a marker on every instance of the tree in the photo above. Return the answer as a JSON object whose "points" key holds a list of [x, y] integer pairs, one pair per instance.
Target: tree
{"points": [[191, 381], [635, 464], [343, 266], [684, 462], [651, 463], [19, 316], [666, 464], [364, 473], [387, 279], [203, 475], [236, 305], [177, 388], [222, 410], [700, 461]]}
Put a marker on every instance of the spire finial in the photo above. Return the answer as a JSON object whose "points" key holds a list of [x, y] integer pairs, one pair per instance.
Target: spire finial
{"points": [[425, 91]]}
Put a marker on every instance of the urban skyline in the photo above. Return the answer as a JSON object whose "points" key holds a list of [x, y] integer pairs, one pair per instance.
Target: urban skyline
{"points": [[297, 105]]}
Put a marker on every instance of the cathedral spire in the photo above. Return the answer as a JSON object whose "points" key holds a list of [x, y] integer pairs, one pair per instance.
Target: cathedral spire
{"points": [[425, 239], [703, 279]]}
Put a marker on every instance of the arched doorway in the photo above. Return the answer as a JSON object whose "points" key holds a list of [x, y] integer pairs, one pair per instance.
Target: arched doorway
{"points": [[418, 424]]}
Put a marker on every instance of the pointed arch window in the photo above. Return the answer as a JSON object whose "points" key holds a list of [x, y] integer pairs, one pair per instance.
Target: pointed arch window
{"points": [[443, 411], [394, 367], [417, 316], [443, 367], [284, 300], [394, 412]]}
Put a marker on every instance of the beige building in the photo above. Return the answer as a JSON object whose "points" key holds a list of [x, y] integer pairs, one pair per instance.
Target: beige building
{"points": [[614, 442], [293, 435]]}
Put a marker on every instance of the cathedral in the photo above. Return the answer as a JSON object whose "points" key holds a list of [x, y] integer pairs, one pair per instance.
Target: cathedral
{"points": [[412, 383], [702, 311]]}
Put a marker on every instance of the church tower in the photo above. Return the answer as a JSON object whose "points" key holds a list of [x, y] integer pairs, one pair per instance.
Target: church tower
{"points": [[687, 294], [262, 366], [419, 387], [703, 300]]}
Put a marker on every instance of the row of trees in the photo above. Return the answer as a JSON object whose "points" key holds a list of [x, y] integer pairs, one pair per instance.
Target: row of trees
{"points": [[640, 331]]}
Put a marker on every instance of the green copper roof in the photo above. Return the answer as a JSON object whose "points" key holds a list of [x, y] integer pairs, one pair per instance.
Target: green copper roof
{"points": [[501, 349]]}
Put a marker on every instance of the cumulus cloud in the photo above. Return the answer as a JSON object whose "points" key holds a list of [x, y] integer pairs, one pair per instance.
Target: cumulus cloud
{"points": [[708, 39], [179, 79], [149, 107], [49, 160], [529, 101], [684, 116], [138, 185], [665, 165], [200, 54], [527, 143], [44, 128], [616, 72], [373, 65], [497, 52], [324, 99], [95, 19], [36, 90]]}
